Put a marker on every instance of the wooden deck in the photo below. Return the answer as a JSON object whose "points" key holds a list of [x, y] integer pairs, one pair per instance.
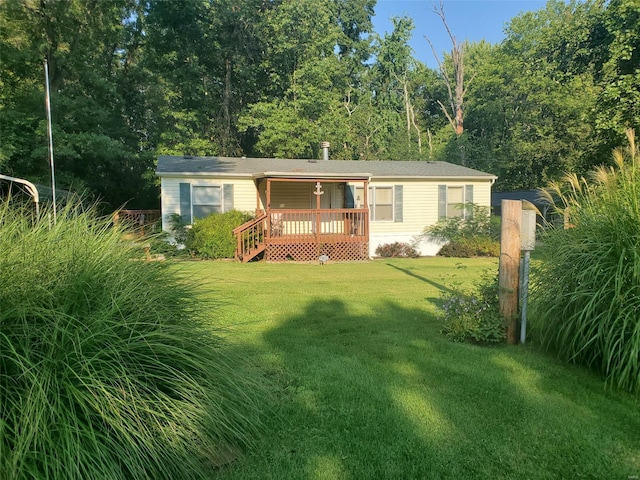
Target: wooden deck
{"points": [[140, 221], [305, 235]]}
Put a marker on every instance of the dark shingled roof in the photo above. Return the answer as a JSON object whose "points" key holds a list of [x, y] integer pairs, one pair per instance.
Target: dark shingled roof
{"points": [[261, 167]]}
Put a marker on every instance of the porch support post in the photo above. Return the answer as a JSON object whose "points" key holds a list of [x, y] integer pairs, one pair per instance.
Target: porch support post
{"points": [[257, 197], [366, 205], [268, 205], [267, 234], [318, 219]]}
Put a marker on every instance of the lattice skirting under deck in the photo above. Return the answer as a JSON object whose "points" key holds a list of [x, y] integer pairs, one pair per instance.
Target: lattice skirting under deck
{"points": [[310, 252]]}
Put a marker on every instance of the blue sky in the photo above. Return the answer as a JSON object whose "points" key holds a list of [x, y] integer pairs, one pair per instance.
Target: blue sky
{"points": [[473, 20]]}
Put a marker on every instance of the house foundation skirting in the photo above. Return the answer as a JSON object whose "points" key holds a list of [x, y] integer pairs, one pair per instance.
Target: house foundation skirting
{"points": [[310, 252]]}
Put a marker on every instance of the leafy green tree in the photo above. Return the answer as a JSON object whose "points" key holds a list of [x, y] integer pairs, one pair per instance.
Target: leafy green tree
{"points": [[619, 75], [394, 87], [94, 146], [529, 120], [313, 79]]}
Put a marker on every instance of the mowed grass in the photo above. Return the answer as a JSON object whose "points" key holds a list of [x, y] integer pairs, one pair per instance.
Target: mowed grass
{"points": [[364, 386]]}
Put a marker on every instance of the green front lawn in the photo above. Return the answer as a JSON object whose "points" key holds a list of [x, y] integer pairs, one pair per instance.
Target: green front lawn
{"points": [[363, 385]]}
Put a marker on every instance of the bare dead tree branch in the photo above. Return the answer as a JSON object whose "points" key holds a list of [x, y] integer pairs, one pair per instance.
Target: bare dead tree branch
{"points": [[455, 84], [446, 114], [415, 125]]}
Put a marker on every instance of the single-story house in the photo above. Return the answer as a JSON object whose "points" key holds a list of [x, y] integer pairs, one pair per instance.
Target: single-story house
{"points": [[308, 208]]}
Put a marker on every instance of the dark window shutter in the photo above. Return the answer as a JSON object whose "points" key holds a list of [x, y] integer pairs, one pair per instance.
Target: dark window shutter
{"points": [[468, 199], [349, 196], [442, 202], [185, 202], [397, 203], [227, 192]]}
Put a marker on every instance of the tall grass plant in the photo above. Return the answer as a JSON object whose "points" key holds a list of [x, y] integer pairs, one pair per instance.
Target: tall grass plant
{"points": [[109, 366], [586, 295]]}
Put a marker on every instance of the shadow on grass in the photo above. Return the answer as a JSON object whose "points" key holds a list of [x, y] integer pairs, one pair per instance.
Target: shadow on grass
{"points": [[384, 396], [439, 286]]}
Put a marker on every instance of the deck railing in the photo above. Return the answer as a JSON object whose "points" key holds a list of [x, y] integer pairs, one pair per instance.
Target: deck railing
{"points": [[304, 234], [326, 225], [141, 221]]}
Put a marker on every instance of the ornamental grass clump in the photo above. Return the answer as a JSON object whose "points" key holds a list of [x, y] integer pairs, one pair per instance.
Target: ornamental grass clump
{"points": [[108, 365], [585, 301]]}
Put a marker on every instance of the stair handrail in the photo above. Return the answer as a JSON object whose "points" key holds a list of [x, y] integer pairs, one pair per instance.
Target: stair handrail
{"points": [[241, 232], [249, 224]]}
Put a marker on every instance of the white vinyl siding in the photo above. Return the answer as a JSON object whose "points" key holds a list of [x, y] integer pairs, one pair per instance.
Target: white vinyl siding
{"points": [[291, 195], [420, 210], [244, 194]]}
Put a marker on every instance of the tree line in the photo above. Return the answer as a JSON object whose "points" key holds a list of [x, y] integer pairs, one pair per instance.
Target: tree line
{"points": [[133, 79]]}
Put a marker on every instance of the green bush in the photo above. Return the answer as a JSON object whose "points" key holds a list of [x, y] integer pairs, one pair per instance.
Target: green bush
{"points": [[473, 316], [178, 228], [212, 236], [397, 250], [476, 235], [109, 366], [471, 247], [585, 298]]}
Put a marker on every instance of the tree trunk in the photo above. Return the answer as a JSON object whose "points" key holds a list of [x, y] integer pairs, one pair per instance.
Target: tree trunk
{"points": [[226, 109]]}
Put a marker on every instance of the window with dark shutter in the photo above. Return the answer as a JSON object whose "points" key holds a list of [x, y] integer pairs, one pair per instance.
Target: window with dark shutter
{"points": [[397, 203], [227, 189], [185, 202], [442, 202]]}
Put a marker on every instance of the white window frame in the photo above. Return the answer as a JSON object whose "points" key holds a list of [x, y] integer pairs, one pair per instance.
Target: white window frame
{"points": [[220, 205], [463, 211], [372, 201]]}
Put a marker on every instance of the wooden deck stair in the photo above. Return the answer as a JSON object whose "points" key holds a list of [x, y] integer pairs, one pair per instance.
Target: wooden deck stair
{"points": [[251, 238]]}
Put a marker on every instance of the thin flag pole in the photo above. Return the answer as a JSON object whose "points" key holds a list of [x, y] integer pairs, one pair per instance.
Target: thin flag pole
{"points": [[53, 170]]}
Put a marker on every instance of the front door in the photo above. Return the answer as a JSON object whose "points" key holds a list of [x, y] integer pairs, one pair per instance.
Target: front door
{"points": [[333, 196]]}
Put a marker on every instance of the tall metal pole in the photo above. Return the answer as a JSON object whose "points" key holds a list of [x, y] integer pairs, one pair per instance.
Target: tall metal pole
{"points": [[49, 130], [528, 244], [525, 295]]}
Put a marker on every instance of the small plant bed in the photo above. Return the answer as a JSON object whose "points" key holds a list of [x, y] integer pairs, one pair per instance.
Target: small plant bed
{"points": [[365, 385], [397, 250], [473, 314]]}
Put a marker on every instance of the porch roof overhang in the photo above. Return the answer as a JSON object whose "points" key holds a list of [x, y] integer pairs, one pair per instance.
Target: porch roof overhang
{"points": [[314, 176], [443, 178]]}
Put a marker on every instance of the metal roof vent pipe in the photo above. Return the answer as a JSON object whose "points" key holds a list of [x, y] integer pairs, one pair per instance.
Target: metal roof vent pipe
{"points": [[325, 150]]}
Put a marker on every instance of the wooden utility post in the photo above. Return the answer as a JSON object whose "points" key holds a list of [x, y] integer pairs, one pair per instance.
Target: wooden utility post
{"points": [[509, 270]]}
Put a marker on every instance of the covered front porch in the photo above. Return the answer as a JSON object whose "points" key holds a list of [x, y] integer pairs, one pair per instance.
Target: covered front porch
{"points": [[303, 219]]}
